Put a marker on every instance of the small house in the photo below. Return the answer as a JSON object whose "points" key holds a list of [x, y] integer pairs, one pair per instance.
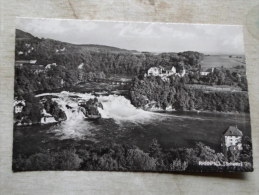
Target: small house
{"points": [[25, 62], [207, 72], [173, 70], [204, 73], [49, 66], [81, 102], [80, 66], [181, 73], [60, 50], [33, 61], [20, 53], [18, 106], [27, 45], [169, 72]]}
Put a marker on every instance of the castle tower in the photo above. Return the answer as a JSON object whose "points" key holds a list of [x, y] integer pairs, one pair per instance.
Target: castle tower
{"points": [[232, 142]]}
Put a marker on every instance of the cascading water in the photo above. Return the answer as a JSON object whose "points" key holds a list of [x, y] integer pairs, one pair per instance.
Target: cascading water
{"points": [[115, 107], [120, 109]]}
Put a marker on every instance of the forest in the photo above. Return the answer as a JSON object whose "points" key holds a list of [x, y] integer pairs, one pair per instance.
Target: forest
{"points": [[119, 157], [175, 93]]}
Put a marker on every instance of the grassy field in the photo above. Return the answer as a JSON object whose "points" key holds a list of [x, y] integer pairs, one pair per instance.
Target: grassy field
{"points": [[222, 60], [225, 88]]}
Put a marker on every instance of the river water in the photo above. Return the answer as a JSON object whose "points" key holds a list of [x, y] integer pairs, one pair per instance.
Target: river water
{"points": [[122, 123]]}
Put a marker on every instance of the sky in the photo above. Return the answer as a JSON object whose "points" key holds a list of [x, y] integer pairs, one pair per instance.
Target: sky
{"points": [[151, 37]]}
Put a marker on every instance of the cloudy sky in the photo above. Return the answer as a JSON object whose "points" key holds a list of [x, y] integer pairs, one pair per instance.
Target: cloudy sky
{"points": [[153, 37]]}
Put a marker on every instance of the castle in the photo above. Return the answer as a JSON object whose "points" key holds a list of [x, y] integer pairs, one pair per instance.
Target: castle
{"points": [[232, 143]]}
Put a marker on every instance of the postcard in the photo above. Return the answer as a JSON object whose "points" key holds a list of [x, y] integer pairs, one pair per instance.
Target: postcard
{"points": [[130, 96]]}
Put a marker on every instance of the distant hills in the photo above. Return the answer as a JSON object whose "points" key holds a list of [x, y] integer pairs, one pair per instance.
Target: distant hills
{"points": [[24, 36], [19, 34], [96, 57], [49, 51]]}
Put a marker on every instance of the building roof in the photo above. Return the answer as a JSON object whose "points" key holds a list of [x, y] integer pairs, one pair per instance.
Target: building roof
{"points": [[233, 131], [168, 67], [154, 68], [210, 70], [19, 104]]}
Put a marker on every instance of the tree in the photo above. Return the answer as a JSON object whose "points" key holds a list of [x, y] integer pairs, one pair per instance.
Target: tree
{"points": [[233, 154], [139, 160], [155, 149]]}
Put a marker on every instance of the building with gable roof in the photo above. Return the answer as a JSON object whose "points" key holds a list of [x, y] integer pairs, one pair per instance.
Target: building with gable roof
{"points": [[18, 106], [232, 140], [207, 72]]}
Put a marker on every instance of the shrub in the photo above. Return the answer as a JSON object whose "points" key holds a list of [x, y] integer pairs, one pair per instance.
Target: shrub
{"points": [[64, 160], [178, 165], [139, 160], [155, 149]]}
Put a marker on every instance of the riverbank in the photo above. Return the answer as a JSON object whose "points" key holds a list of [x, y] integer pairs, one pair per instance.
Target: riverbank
{"points": [[152, 90]]}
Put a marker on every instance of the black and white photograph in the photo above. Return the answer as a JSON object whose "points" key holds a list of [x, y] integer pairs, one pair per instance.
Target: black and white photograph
{"points": [[130, 96]]}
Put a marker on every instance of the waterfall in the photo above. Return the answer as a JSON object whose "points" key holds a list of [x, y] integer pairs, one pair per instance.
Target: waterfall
{"points": [[114, 106]]}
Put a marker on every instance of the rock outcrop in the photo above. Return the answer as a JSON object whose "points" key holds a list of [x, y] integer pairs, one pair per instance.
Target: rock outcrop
{"points": [[37, 111], [90, 108]]}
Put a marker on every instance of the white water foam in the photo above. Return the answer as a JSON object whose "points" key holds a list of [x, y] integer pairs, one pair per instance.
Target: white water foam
{"points": [[115, 107], [120, 109]]}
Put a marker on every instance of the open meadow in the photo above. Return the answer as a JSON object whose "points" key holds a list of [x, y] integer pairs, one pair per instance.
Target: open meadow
{"points": [[227, 61]]}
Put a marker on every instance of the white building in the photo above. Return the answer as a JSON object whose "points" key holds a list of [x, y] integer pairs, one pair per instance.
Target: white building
{"points": [[80, 66], [182, 73], [232, 138], [170, 72], [210, 70], [22, 62], [204, 73], [27, 45], [18, 106], [154, 71], [60, 50], [33, 61], [48, 66], [173, 70]]}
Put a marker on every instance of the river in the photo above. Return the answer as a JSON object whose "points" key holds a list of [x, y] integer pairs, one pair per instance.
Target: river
{"points": [[123, 123]]}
